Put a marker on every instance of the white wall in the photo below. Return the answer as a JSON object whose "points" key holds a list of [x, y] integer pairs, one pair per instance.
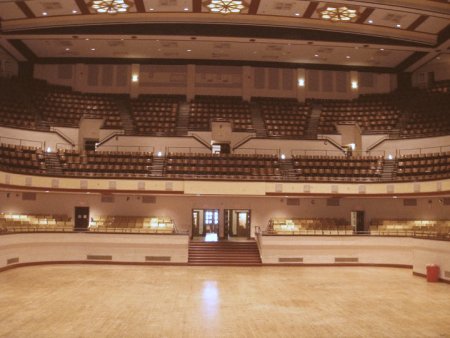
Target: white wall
{"points": [[414, 252], [75, 247]]}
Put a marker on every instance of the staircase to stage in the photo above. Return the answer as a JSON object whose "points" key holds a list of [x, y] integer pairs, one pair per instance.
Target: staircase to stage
{"points": [[225, 253]]}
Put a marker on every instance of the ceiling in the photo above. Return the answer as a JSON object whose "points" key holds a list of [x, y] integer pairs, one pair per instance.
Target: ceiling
{"points": [[395, 35]]}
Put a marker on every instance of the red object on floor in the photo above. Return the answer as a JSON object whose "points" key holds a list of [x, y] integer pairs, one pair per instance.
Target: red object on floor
{"points": [[432, 273]]}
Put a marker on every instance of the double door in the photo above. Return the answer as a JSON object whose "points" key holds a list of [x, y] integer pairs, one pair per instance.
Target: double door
{"points": [[206, 221]]}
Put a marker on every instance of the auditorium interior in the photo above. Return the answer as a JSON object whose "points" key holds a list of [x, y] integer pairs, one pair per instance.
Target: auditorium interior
{"points": [[224, 168]]}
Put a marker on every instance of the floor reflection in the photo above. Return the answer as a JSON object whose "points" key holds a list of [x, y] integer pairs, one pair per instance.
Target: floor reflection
{"points": [[210, 299]]}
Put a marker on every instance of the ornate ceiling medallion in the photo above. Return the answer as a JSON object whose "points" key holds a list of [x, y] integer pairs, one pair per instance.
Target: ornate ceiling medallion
{"points": [[226, 6], [110, 6], [338, 14]]}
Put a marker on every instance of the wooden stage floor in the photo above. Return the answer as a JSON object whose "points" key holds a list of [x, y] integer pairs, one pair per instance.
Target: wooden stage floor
{"points": [[163, 301]]}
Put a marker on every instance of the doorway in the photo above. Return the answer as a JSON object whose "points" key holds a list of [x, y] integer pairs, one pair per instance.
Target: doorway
{"points": [[237, 223], [357, 221], [81, 218], [205, 222]]}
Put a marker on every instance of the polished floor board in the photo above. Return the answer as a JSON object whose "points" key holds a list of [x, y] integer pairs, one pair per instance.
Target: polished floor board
{"points": [[152, 301]]}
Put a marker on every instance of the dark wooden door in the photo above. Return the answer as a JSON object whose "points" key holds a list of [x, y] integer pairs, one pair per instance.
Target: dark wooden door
{"points": [[81, 218]]}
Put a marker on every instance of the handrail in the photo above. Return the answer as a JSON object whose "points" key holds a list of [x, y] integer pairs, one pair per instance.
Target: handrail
{"points": [[110, 136], [333, 142], [63, 136], [40, 143], [261, 151], [377, 143], [201, 140], [244, 140]]}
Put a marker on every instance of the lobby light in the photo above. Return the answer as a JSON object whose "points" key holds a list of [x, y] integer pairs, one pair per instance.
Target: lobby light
{"points": [[226, 6], [337, 14], [110, 6]]}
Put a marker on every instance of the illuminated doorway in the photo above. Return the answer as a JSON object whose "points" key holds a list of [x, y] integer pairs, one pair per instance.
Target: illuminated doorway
{"points": [[237, 223], [205, 222]]}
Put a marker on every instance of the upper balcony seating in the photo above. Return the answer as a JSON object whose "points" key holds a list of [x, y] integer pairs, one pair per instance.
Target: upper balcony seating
{"points": [[14, 110], [155, 115], [206, 108], [97, 163], [372, 114], [63, 107], [222, 166], [332, 168], [34, 222], [22, 159], [423, 167], [284, 117], [427, 114]]}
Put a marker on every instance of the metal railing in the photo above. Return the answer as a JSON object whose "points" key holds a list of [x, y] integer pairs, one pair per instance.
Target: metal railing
{"points": [[21, 142]]}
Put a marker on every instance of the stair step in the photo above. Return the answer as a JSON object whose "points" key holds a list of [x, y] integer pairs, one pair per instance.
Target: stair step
{"points": [[224, 254]]}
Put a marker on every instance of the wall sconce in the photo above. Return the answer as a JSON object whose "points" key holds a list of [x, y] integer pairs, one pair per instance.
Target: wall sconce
{"points": [[135, 78], [301, 82], [354, 84]]}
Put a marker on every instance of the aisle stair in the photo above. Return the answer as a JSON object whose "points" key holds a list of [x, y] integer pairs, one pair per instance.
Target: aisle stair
{"points": [[224, 253], [182, 127], [52, 164]]}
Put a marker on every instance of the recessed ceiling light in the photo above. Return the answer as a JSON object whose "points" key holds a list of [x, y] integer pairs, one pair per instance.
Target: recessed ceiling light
{"points": [[297, 14], [381, 49], [316, 55], [44, 13], [186, 9], [151, 9], [188, 50], [347, 57], [370, 21], [67, 49], [398, 25], [92, 49], [74, 11], [87, 39]]}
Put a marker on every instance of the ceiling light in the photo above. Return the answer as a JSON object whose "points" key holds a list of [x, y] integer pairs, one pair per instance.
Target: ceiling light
{"points": [[44, 13], [186, 9], [67, 49], [297, 14], [316, 55], [74, 11], [110, 6], [92, 49], [347, 57], [226, 6], [336, 14], [188, 50], [151, 9], [398, 25], [370, 21]]}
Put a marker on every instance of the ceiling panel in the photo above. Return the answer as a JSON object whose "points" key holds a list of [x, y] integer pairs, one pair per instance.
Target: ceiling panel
{"points": [[388, 18], [10, 11], [282, 7], [42, 8], [168, 5], [182, 48], [433, 25]]}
